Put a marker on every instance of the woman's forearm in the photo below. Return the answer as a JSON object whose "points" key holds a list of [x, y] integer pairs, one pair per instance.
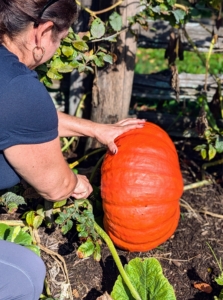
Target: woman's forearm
{"points": [[73, 126]]}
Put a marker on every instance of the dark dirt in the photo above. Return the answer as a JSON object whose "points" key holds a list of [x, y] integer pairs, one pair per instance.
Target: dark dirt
{"points": [[186, 258]]}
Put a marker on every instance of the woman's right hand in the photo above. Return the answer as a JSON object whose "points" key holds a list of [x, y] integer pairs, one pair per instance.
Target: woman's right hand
{"points": [[83, 188]]}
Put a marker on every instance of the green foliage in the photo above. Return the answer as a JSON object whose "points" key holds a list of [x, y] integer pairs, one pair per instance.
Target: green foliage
{"points": [[18, 235], [147, 277], [152, 60], [11, 201], [81, 213], [77, 51], [34, 218]]}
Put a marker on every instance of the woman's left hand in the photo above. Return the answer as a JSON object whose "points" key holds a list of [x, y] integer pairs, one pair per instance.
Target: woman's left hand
{"points": [[107, 133]]}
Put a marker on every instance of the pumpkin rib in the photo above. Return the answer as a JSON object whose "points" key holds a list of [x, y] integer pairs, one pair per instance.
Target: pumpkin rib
{"points": [[148, 244]]}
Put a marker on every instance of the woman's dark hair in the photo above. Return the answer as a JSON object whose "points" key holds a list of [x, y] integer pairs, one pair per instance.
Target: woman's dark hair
{"points": [[16, 15]]}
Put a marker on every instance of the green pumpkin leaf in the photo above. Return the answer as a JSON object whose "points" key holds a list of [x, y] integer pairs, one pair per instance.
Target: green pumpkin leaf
{"points": [[147, 277], [80, 45], [97, 28], [86, 249], [33, 248], [115, 20], [15, 232]]}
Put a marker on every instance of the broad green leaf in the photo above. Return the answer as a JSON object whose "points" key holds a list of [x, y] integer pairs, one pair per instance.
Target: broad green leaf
{"points": [[97, 28], [30, 218], [219, 144], [80, 45], [33, 248], [4, 231], [108, 58], [86, 249], [15, 232], [211, 152], [59, 203], [179, 14], [53, 74], [147, 277], [115, 20], [67, 50], [38, 220]]}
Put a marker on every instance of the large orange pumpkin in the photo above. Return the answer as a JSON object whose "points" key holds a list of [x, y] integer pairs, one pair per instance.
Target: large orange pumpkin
{"points": [[141, 186]]}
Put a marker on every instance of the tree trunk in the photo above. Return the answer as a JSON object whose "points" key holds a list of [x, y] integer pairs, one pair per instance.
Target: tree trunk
{"points": [[113, 85]]}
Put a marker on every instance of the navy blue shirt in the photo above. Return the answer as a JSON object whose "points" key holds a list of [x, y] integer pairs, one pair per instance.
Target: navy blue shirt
{"points": [[27, 112]]}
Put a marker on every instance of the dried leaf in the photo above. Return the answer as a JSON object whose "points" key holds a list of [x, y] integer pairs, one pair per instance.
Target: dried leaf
{"points": [[204, 287]]}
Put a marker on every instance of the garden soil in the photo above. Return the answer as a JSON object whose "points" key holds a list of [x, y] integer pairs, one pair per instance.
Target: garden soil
{"points": [[185, 257]]}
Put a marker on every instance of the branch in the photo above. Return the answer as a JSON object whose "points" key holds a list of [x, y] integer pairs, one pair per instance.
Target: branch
{"points": [[95, 13]]}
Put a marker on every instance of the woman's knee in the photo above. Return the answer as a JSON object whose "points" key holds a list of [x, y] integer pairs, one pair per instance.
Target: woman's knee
{"points": [[22, 272]]}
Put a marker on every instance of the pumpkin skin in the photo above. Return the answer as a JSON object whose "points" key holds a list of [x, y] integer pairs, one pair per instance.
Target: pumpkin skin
{"points": [[140, 187]]}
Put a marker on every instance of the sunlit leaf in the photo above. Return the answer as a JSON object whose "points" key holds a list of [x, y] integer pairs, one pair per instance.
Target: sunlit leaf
{"points": [[67, 50], [53, 74], [59, 203], [86, 249], [211, 152], [80, 45], [147, 277], [38, 220], [97, 28]]}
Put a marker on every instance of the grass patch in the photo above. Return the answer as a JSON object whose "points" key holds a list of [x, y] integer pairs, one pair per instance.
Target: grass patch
{"points": [[152, 61]]}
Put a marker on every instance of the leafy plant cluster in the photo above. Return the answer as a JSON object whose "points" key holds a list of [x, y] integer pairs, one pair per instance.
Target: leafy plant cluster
{"points": [[82, 51]]}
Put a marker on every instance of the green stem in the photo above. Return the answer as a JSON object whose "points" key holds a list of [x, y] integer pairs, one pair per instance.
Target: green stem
{"points": [[197, 184], [117, 260], [95, 169], [74, 164]]}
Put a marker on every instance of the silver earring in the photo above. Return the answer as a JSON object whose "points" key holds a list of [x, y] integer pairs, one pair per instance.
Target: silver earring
{"points": [[38, 56]]}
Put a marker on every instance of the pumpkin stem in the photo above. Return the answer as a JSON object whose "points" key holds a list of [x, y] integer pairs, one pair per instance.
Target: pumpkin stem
{"points": [[117, 260]]}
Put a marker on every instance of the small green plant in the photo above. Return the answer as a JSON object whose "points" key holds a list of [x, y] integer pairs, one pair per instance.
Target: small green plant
{"points": [[219, 278]]}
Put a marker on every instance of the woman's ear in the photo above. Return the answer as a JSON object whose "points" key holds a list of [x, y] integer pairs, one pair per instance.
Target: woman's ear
{"points": [[42, 31]]}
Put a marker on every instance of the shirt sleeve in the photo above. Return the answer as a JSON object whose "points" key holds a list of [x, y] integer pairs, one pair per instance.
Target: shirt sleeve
{"points": [[28, 115]]}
